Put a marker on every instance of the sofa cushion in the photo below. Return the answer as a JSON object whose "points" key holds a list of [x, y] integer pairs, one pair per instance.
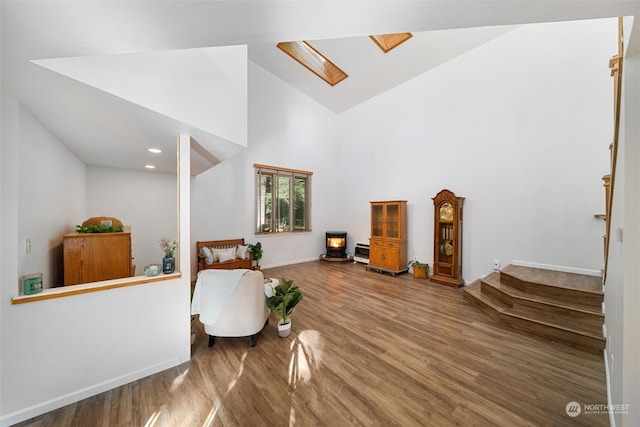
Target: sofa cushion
{"points": [[207, 254], [242, 252], [227, 255], [216, 253]]}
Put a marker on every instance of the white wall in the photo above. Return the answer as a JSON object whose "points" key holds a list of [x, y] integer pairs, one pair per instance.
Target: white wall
{"points": [[631, 316], [215, 82], [58, 351], [614, 285], [51, 196], [286, 129], [520, 127], [622, 298], [631, 328], [145, 201]]}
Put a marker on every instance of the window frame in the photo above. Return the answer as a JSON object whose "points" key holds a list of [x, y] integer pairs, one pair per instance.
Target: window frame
{"points": [[277, 173]]}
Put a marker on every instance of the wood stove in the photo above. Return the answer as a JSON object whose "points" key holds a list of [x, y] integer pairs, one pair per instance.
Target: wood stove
{"points": [[336, 244]]}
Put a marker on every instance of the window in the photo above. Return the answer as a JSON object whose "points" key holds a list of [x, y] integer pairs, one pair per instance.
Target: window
{"points": [[283, 199], [386, 42], [321, 66], [314, 61]]}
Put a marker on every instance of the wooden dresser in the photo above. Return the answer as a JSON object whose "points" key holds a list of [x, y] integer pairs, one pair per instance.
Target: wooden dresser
{"points": [[388, 242], [92, 257]]}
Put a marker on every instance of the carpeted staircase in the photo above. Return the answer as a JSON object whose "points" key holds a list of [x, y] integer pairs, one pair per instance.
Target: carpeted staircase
{"points": [[560, 306]]}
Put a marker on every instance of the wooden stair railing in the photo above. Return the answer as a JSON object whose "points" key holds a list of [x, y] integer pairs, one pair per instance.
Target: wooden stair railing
{"points": [[615, 64]]}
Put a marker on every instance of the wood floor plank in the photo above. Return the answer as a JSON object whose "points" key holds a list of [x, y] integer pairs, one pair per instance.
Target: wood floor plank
{"points": [[366, 349]]}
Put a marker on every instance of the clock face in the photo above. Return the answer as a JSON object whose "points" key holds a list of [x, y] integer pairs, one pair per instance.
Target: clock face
{"points": [[446, 212]]}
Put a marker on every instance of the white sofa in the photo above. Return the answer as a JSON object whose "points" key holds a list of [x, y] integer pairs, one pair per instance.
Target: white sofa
{"points": [[245, 312]]}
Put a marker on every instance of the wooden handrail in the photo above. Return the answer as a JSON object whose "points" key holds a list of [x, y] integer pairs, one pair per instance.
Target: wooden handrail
{"points": [[615, 63]]}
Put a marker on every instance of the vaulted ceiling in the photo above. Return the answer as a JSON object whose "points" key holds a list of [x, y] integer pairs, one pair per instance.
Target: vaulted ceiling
{"points": [[105, 127]]}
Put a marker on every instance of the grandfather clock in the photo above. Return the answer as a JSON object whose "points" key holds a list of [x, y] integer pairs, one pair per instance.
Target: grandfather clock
{"points": [[447, 239]]}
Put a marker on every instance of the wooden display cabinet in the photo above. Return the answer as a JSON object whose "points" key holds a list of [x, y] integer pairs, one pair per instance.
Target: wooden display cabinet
{"points": [[388, 241], [447, 239], [93, 257]]}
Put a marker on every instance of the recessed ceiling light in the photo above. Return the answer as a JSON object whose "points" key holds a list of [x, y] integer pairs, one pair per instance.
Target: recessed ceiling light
{"points": [[149, 166], [155, 150]]}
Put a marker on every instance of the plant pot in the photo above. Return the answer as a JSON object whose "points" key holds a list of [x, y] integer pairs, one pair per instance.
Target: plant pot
{"points": [[168, 265], [419, 273], [284, 329]]}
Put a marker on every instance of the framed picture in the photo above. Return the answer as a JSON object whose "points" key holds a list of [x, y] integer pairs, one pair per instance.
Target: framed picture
{"points": [[32, 283]]}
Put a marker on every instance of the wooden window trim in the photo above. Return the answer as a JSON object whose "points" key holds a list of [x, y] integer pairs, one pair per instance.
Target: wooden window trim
{"points": [[277, 171], [280, 169], [314, 61], [386, 42]]}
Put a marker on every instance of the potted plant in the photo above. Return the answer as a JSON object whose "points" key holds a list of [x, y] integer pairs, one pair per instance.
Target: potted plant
{"points": [[283, 300], [256, 250], [169, 248], [420, 269]]}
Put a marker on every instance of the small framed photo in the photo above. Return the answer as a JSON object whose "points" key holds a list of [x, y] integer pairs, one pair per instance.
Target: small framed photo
{"points": [[32, 284]]}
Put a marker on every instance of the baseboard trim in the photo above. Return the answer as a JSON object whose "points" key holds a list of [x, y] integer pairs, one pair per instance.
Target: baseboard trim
{"points": [[561, 268], [76, 396], [282, 264], [607, 376]]}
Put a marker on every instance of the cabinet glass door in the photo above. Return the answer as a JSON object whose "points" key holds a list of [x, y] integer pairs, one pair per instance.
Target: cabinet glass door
{"points": [[392, 221], [377, 221]]}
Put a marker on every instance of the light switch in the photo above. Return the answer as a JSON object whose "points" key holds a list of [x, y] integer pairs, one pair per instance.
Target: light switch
{"points": [[619, 234]]}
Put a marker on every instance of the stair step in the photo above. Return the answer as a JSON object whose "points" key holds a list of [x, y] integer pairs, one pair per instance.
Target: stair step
{"points": [[590, 317], [490, 306], [579, 324], [554, 331], [555, 278], [560, 286]]}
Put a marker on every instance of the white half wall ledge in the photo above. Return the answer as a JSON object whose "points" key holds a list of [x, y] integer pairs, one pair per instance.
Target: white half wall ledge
{"points": [[561, 268]]}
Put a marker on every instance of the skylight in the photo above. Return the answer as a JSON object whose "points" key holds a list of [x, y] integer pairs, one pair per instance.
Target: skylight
{"points": [[314, 61], [386, 42]]}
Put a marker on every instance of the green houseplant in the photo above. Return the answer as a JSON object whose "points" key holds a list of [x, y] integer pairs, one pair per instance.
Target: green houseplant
{"points": [[169, 248], [256, 250], [420, 269], [99, 228], [283, 300]]}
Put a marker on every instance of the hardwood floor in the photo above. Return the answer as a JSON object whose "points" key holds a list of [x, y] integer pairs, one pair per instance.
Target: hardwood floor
{"points": [[366, 349]]}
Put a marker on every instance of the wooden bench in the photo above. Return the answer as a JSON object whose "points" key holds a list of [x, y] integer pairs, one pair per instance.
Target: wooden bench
{"points": [[226, 265]]}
